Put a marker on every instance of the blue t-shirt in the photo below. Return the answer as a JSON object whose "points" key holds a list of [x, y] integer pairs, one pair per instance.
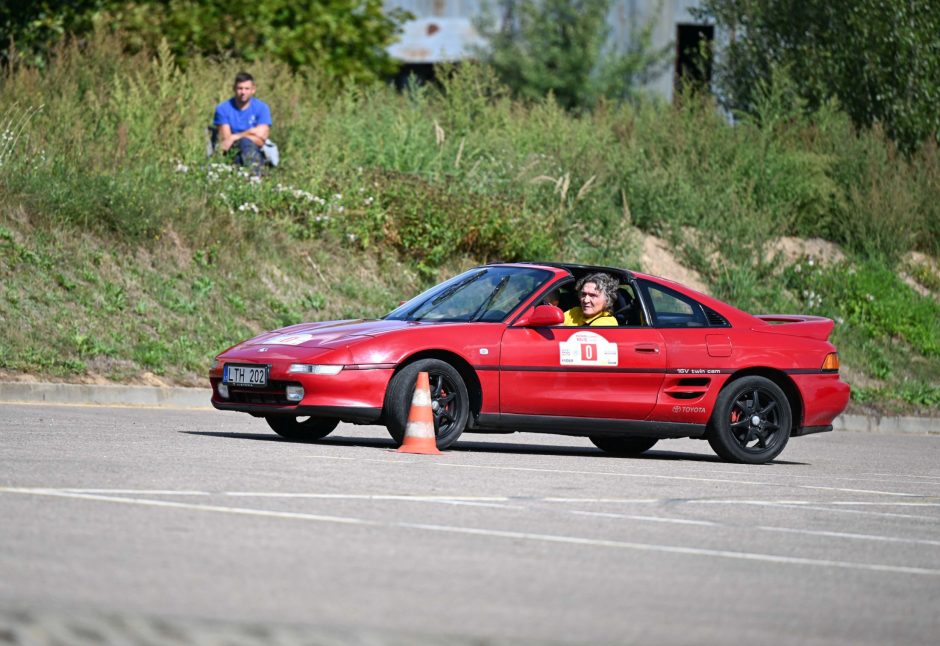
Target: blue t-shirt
{"points": [[256, 113]]}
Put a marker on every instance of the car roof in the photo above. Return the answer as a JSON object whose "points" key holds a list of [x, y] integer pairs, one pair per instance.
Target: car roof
{"points": [[737, 316], [575, 269]]}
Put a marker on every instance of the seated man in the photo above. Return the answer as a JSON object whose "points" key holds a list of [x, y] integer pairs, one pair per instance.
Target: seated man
{"points": [[244, 123], [597, 295]]}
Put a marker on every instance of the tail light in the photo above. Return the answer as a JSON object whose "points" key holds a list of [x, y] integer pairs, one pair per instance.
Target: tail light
{"points": [[831, 362]]}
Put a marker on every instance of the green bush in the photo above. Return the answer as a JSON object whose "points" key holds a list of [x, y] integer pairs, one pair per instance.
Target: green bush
{"points": [[878, 59], [871, 298], [333, 38]]}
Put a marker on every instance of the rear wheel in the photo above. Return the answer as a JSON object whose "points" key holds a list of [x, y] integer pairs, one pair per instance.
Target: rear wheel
{"points": [[624, 445], [301, 429], [450, 403], [751, 421]]}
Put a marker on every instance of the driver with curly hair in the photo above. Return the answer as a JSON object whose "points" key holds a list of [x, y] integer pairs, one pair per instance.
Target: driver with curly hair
{"points": [[597, 294]]}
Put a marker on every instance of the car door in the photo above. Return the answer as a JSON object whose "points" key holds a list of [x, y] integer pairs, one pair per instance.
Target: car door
{"points": [[699, 345], [594, 372]]}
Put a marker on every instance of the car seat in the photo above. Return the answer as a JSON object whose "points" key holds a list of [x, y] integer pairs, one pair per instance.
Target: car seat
{"points": [[567, 299], [625, 308]]}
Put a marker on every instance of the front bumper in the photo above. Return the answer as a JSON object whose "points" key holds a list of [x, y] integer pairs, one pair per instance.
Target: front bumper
{"points": [[354, 395]]}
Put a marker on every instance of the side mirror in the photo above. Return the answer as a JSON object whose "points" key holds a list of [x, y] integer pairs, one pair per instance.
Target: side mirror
{"points": [[541, 316]]}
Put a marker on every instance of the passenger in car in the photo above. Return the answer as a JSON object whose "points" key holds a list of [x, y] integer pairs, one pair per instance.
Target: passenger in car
{"points": [[596, 295]]}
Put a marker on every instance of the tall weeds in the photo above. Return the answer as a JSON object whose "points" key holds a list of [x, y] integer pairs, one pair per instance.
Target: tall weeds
{"points": [[113, 130]]}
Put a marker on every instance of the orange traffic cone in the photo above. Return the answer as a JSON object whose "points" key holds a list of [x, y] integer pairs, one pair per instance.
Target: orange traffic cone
{"points": [[419, 433]]}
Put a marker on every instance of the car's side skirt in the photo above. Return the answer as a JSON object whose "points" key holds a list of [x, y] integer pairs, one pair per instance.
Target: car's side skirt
{"points": [[585, 426], [808, 430]]}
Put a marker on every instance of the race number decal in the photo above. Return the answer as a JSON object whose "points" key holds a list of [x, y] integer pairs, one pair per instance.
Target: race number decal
{"points": [[289, 339], [587, 349]]}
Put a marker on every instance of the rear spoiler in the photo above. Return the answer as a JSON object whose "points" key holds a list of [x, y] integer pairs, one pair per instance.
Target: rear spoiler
{"points": [[812, 327]]}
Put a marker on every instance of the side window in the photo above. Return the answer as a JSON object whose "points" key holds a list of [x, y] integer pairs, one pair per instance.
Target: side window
{"points": [[627, 309], [672, 309], [563, 296]]}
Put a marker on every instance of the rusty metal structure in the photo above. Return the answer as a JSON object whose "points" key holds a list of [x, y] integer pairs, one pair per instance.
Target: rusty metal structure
{"points": [[444, 31]]}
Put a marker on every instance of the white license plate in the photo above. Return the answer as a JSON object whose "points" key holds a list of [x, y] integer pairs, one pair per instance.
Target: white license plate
{"points": [[245, 375]]}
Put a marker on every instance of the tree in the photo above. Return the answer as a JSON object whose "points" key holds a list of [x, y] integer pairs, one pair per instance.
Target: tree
{"points": [[340, 38], [561, 46], [28, 28], [880, 59]]}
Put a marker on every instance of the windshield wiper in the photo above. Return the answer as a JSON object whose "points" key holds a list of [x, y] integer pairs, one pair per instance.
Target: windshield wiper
{"points": [[447, 293], [485, 305]]}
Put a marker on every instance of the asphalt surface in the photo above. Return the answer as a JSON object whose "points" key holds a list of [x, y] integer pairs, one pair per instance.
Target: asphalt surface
{"points": [[196, 398], [135, 525]]}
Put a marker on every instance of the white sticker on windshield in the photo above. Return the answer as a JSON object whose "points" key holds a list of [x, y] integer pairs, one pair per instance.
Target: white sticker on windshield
{"points": [[289, 339], [587, 349]]}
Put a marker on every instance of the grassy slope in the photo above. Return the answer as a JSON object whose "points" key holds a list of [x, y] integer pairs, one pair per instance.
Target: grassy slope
{"points": [[124, 254], [88, 307]]}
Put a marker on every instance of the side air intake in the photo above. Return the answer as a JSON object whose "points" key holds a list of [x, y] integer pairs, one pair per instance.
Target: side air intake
{"points": [[714, 318]]}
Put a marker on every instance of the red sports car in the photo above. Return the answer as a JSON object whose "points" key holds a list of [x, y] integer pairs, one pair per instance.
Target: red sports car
{"points": [[677, 364]]}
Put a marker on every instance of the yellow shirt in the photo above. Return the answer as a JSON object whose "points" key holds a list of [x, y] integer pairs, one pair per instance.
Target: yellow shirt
{"points": [[575, 316]]}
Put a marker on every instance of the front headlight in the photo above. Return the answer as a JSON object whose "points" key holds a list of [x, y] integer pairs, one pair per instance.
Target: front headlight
{"points": [[314, 369]]}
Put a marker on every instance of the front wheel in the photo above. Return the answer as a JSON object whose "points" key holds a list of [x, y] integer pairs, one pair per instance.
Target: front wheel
{"points": [[450, 403], [751, 421], [301, 429], [623, 445]]}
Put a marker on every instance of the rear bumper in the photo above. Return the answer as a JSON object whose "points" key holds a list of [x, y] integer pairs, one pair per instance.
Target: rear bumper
{"points": [[825, 396]]}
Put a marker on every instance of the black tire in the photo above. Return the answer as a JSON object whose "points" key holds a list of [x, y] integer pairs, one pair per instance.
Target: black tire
{"points": [[301, 429], [751, 421], [449, 400], [624, 445]]}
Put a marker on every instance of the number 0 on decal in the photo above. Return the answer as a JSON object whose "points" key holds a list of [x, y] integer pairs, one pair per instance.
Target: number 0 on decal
{"points": [[587, 349]]}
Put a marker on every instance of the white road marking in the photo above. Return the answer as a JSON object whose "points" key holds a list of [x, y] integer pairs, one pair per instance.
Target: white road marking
{"points": [[848, 503], [764, 528], [184, 505], [471, 501], [864, 537], [811, 506], [908, 475], [654, 519], [692, 551], [603, 500], [492, 533], [143, 492], [891, 478], [732, 501], [346, 496], [686, 478], [643, 466], [475, 501], [849, 490]]}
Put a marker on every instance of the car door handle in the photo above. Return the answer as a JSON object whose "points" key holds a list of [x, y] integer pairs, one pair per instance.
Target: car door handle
{"points": [[646, 347]]}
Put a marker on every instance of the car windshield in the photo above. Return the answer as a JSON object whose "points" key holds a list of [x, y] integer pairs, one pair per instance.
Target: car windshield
{"points": [[485, 294]]}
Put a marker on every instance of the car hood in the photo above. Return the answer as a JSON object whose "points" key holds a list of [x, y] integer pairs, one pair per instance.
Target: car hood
{"points": [[328, 333]]}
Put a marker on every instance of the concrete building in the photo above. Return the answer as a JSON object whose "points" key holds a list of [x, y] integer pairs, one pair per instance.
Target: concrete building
{"points": [[444, 31]]}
